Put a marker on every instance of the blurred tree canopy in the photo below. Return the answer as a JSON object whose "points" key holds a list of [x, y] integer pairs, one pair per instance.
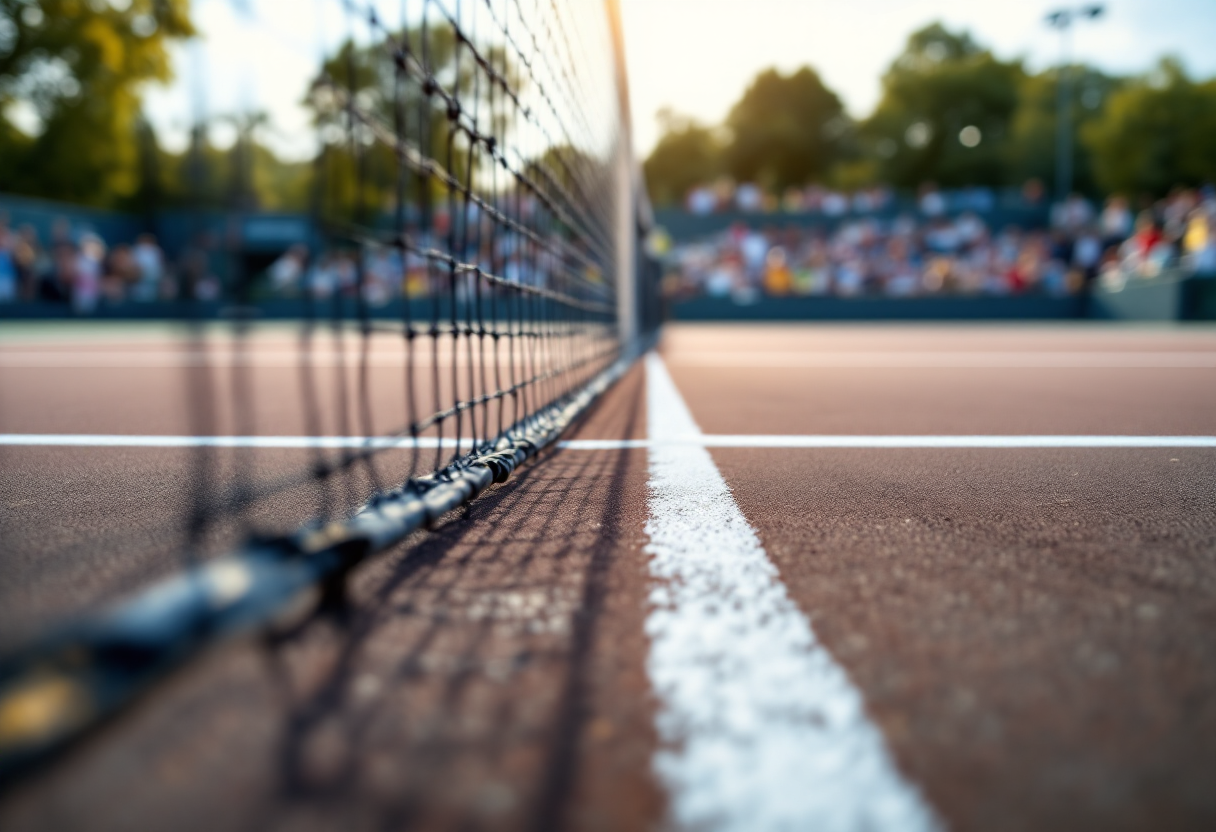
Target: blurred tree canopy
{"points": [[246, 176], [688, 154], [361, 172], [1032, 145], [954, 114], [786, 130], [1155, 133], [70, 78], [942, 84]]}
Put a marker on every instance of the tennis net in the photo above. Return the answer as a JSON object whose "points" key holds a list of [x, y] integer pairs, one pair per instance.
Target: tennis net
{"points": [[466, 278]]}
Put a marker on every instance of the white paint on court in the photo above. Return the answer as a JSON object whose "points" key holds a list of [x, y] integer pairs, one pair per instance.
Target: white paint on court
{"points": [[113, 440], [988, 360], [883, 441], [760, 728], [255, 356], [110, 440], [324, 354]]}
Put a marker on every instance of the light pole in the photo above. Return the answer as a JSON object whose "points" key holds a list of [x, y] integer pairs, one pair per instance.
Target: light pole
{"points": [[1062, 19]]}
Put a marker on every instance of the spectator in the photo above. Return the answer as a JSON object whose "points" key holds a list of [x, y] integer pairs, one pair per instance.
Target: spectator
{"points": [[777, 278], [834, 204], [285, 272], [31, 262], [754, 248], [150, 269], [86, 280], [1032, 192], [117, 272], [1203, 255], [1116, 221], [749, 198], [1072, 214], [931, 202], [702, 201], [1086, 254], [9, 280], [1146, 239]]}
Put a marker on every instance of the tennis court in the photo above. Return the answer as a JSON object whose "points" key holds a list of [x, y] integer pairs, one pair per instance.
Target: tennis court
{"points": [[1002, 547], [351, 478]]}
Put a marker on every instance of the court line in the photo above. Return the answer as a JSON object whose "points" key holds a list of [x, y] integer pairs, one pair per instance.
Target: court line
{"points": [[952, 360], [84, 440], [682, 440], [172, 359], [883, 441], [760, 729], [325, 356]]}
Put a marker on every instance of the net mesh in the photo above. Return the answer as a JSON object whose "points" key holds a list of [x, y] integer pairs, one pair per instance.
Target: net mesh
{"points": [[464, 283], [463, 249]]}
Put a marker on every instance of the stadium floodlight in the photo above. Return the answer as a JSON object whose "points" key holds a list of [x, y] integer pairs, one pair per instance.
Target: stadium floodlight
{"points": [[1062, 19]]}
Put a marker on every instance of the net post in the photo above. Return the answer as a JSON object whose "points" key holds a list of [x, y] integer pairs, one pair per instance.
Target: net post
{"points": [[625, 234], [625, 223]]}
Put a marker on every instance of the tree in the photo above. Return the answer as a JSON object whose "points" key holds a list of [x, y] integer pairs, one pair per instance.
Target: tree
{"points": [[1033, 136], [1155, 133], [786, 130], [359, 170], [687, 154], [945, 112], [70, 78]]}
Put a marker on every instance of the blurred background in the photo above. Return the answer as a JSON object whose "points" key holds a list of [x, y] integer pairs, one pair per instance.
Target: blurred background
{"points": [[1057, 158]]}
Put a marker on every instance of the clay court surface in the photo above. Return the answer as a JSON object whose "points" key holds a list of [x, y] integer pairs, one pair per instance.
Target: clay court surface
{"points": [[1030, 628]]}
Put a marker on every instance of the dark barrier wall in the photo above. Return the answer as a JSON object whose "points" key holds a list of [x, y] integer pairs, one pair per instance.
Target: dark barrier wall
{"points": [[697, 309], [420, 311], [1163, 300], [1169, 298], [878, 309], [1199, 300]]}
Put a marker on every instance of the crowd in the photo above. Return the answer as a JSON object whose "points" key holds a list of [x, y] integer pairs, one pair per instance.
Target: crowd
{"points": [[726, 196], [925, 252], [930, 253], [75, 266], [389, 273], [78, 268]]}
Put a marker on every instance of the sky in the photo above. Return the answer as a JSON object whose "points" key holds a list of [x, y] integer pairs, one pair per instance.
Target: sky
{"points": [[696, 56], [253, 54]]}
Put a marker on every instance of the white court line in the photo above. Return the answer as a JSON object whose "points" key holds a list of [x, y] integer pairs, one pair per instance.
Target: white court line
{"points": [[170, 359], [760, 728], [918, 441], [825, 359], [109, 440], [951, 360]]}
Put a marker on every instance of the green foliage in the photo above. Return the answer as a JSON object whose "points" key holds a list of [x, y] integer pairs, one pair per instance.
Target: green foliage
{"points": [[72, 72], [1156, 132], [1032, 146], [786, 130], [281, 185], [360, 172], [854, 174], [941, 84], [687, 155], [246, 176]]}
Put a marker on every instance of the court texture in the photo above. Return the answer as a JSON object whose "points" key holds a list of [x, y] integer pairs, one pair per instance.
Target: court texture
{"points": [[814, 577]]}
